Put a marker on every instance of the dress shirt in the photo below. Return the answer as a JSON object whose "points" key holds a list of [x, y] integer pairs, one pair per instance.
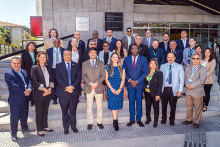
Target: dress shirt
{"points": [[75, 56], [106, 56], [135, 59], [184, 42], [46, 78], [91, 61], [54, 57], [167, 82]]}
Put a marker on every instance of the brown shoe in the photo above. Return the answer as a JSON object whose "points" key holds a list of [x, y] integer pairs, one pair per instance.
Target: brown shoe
{"points": [[196, 125], [187, 122]]}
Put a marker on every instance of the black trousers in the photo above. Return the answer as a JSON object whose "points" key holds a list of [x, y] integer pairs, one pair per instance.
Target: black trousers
{"points": [[206, 98], [69, 105], [149, 100], [55, 85], [41, 108], [168, 97]]}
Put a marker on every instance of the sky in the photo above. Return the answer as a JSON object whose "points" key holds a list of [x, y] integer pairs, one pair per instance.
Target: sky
{"points": [[17, 11]]}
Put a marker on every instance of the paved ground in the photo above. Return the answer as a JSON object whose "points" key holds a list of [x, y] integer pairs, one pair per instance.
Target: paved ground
{"points": [[163, 135]]}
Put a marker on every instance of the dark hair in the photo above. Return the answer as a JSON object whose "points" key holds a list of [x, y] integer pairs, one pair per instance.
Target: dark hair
{"points": [[156, 40], [109, 30], [52, 30], [105, 43], [128, 28], [155, 60], [165, 33], [122, 55], [28, 46], [172, 53], [211, 55], [93, 49], [183, 31], [192, 38], [40, 53], [198, 46]]}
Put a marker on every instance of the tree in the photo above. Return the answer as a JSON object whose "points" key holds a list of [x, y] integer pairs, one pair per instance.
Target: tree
{"points": [[5, 36]]}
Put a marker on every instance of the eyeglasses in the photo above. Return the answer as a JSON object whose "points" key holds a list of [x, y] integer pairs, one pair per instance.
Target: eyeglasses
{"points": [[105, 45], [92, 44], [76, 34], [134, 49], [195, 58], [128, 31]]}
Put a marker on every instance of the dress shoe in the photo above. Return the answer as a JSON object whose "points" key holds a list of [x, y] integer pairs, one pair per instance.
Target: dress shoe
{"points": [[115, 125], [51, 130], [100, 126], [54, 102], [66, 132], [41, 135], [130, 123], [187, 122], [89, 127], [27, 130], [75, 130], [196, 125], [163, 122], [155, 124], [140, 124], [14, 138], [172, 123], [147, 122]]}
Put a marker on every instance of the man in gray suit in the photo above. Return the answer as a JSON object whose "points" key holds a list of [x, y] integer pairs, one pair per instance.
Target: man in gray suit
{"points": [[194, 78], [93, 74], [148, 40], [128, 39]]}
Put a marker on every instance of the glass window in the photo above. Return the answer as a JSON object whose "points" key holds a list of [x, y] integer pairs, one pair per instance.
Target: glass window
{"points": [[199, 25], [179, 25], [158, 24]]}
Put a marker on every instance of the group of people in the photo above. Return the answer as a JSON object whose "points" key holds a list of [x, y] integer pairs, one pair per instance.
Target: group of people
{"points": [[145, 66]]}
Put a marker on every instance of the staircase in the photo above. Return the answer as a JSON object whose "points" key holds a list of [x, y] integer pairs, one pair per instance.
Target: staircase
{"points": [[55, 116]]}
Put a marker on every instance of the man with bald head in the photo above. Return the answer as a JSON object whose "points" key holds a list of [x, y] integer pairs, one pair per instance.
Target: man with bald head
{"points": [[98, 42]]}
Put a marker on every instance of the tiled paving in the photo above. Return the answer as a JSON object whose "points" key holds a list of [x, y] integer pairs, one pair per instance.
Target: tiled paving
{"points": [[57, 137]]}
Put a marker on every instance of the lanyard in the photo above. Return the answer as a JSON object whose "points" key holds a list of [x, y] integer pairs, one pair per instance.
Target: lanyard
{"points": [[32, 57], [150, 76], [109, 40], [129, 40], [190, 52], [22, 77], [57, 55], [169, 70], [194, 68], [155, 54], [77, 44]]}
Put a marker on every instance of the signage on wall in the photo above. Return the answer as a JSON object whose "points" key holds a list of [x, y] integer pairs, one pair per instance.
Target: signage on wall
{"points": [[113, 21], [82, 24]]}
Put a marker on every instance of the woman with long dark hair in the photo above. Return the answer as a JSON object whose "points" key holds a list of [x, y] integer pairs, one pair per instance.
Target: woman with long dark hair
{"points": [[209, 63], [115, 79]]}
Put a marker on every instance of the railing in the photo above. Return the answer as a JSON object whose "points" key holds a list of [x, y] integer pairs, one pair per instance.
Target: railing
{"points": [[6, 49], [14, 52]]}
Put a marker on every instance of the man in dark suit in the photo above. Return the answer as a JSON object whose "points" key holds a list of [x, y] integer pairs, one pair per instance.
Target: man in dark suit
{"points": [[98, 42], [178, 52], [19, 86], [128, 39], [81, 44], [68, 77], [111, 40], [136, 71], [55, 56], [165, 43], [157, 53], [183, 42], [143, 50]]}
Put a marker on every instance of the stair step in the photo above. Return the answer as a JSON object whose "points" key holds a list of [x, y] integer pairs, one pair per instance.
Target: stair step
{"points": [[4, 70], [5, 65]]}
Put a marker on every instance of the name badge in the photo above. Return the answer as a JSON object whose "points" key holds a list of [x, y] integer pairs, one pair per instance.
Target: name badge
{"points": [[190, 80], [148, 86]]}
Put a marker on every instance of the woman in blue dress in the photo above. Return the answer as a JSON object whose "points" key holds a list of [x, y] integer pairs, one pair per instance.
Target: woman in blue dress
{"points": [[115, 79]]}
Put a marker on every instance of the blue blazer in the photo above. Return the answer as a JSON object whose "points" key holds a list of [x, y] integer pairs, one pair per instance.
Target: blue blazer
{"points": [[139, 73], [180, 45], [63, 82], [161, 45], [101, 56], [179, 55], [16, 86], [83, 47], [112, 43], [160, 56], [177, 77], [50, 55]]}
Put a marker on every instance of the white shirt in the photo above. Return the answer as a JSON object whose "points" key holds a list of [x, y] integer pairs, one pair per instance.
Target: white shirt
{"points": [[91, 61], [135, 59], [67, 65], [184, 42], [54, 57], [167, 82], [75, 56], [46, 76]]}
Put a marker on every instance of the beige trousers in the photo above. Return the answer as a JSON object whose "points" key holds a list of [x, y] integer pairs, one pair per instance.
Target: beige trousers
{"points": [[197, 102], [98, 98]]}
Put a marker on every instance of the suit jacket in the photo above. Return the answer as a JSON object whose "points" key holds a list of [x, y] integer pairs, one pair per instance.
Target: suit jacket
{"points": [[143, 50], [16, 86], [101, 56], [93, 75], [185, 55], [179, 55], [50, 55], [37, 78], [155, 84], [210, 67], [80, 55], [63, 81], [198, 80], [161, 45], [48, 44], [160, 55], [177, 77], [83, 48], [180, 45], [112, 43], [124, 40], [27, 63], [99, 45], [139, 73], [144, 41]]}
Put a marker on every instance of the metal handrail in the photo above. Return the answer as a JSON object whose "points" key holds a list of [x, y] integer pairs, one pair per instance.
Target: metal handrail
{"points": [[23, 50]]}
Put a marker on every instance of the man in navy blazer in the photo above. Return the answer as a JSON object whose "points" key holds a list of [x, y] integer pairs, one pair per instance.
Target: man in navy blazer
{"points": [[98, 42], [55, 56], [157, 53], [178, 52], [136, 71], [165, 43], [19, 86], [68, 77], [111, 40], [183, 42]]}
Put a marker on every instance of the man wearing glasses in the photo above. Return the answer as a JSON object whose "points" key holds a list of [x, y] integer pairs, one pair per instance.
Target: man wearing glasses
{"points": [[128, 39], [194, 78], [97, 42]]}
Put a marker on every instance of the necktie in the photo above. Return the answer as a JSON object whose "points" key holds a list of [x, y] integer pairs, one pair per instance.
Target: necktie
{"points": [[170, 75], [134, 63], [93, 64], [108, 40], [69, 76]]}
